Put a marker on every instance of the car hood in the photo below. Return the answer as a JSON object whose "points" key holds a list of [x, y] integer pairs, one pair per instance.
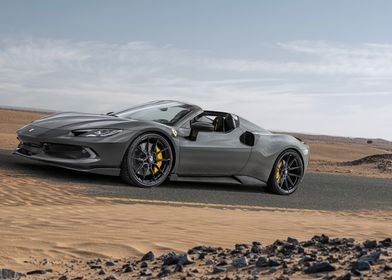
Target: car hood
{"points": [[72, 120]]}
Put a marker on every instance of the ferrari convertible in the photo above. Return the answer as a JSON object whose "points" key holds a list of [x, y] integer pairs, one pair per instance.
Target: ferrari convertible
{"points": [[160, 140]]}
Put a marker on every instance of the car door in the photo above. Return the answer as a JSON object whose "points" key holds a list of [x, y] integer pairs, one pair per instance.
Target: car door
{"points": [[212, 153]]}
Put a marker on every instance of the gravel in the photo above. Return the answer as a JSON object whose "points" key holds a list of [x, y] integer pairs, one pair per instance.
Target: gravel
{"points": [[319, 257]]}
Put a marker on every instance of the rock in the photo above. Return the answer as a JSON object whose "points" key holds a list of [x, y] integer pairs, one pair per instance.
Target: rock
{"points": [[320, 267], [386, 242], [241, 247], [6, 273], [37, 271], [127, 268], [387, 268], [256, 248], [371, 258], [300, 249], [322, 239], [148, 257], [185, 259], [218, 269], [356, 272], [261, 262], [223, 263], [170, 258], [346, 276], [308, 243], [297, 268], [145, 272], [95, 267], [292, 241], [274, 262], [288, 248], [101, 272], [165, 271], [202, 255], [240, 262], [273, 270], [308, 258], [111, 277], [110, 263], [370, 244], [143, 264], [209, 262], [64, 277], [282, 277], [360, 265], [179, 268]]}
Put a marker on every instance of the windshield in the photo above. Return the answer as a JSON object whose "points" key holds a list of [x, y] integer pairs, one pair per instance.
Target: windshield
{"points": [[168, 113]]}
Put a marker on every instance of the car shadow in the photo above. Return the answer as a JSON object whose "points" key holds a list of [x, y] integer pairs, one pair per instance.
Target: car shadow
{"points": [[61, 175]]}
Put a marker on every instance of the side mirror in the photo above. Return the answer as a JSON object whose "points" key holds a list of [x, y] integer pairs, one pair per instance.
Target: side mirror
{"points": [[199, 126]]}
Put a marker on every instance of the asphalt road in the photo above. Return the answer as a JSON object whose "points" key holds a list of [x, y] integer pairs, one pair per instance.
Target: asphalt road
{"points": [[318, 191]]}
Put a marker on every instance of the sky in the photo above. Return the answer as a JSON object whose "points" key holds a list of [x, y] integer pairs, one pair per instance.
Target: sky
{"points": [[320, 67]]}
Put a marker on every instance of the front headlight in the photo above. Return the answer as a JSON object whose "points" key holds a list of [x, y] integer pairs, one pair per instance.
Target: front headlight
{"points": [[101, 132]]}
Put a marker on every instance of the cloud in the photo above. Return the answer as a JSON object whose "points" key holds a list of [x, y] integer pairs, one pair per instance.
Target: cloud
{"points": [[324, 59], [315, 83]]}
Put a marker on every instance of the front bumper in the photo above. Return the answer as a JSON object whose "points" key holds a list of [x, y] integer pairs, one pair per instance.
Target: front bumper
{"points": [[55, 147]]}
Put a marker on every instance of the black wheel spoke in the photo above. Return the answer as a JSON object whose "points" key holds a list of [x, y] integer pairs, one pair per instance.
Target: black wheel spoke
{"points": [[291, 163], [294, 168], [152, 174], [157, 167], [281, 182], [290, 181], [155, 145], [286, 184], [140, 149], [295, 175], [148, 149], [138, 159], [288, 159], [139, 168], [161, 151]]}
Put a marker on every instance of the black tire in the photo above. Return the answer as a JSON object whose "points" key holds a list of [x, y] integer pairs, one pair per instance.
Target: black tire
{"points": [[290, 167], [148, 161]]}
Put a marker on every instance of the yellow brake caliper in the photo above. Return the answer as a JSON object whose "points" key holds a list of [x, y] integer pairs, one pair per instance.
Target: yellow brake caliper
{"points": [[278, 168], [158, 158]]}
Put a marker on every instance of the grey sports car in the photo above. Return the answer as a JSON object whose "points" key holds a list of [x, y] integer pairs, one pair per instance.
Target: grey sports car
{"points": [[147, 144]]}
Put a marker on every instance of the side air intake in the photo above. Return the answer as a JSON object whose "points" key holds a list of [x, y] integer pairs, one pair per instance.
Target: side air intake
{"points": [[247, 138]]}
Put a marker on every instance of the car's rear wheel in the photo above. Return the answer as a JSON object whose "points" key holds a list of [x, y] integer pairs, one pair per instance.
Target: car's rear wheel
{"points": [[287, 173], [148, 161]]}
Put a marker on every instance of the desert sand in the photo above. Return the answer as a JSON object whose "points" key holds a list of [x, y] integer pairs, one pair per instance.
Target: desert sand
{"points": [[40, 219]]}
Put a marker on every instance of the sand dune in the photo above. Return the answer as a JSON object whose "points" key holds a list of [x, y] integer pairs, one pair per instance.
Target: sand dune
{"points": [[10, 122]]}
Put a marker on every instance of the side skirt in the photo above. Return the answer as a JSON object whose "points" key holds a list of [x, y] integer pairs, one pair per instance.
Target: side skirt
{"points": [[236, 180], [205, 179]]}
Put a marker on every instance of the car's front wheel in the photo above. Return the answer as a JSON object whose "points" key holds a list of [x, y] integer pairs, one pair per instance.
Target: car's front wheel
{"points": [[148, 161], [286, 174]]}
